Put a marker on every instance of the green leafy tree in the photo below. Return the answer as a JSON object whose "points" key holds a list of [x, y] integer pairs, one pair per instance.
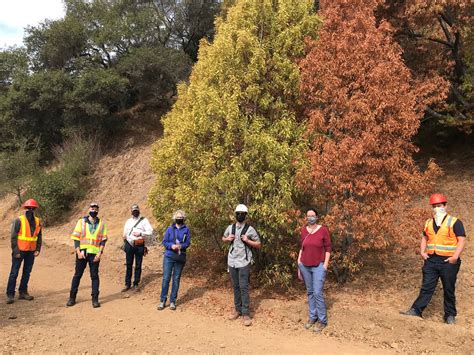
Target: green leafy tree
{"points": [[233, 135]]}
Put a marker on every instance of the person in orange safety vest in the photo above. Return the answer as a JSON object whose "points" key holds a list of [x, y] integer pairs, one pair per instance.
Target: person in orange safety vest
{"points": [[442, 243], [26, 245]]}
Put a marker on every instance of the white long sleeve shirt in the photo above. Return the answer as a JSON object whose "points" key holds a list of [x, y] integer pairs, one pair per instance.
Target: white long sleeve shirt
{"points": [[144, 228]]}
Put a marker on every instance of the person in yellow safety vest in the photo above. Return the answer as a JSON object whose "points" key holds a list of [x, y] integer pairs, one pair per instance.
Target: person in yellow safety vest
{"points": [[90, 236], [26, 246], [442, 243]]}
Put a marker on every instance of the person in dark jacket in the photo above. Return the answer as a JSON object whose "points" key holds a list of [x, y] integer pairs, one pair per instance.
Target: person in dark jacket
{"points": [[176, 241], [26, 239]]}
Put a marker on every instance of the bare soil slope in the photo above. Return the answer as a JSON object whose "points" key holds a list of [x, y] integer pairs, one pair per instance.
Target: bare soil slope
{"points": [[363, 314]]}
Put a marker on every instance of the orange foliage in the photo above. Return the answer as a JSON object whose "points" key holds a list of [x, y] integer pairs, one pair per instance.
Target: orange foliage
{"points": [[363, 108]]}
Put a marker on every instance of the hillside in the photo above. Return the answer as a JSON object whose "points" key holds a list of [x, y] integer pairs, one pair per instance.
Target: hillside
{"points": [[363, 313]]}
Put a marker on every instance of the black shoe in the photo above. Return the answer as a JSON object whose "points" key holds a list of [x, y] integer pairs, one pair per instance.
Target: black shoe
{"points": [[25, 296], [71, 302], [450, 320], [95, 303], [411, 312], [10, 299], [126, 288]]}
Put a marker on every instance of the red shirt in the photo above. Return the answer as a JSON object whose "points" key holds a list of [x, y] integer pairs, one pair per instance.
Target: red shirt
{"points": [[314, 246]]}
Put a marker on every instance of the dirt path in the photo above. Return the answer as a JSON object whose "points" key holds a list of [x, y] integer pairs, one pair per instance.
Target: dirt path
{"points": [[129, 325]]}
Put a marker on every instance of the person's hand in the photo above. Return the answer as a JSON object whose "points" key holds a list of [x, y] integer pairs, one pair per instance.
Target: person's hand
{"points": [[230, 238], [18, 256], [97, 258], [325, 266], [424, 256], [244, 238], [174, 247], [80, 254], [451, 260], [136, 234], [37, 253]]}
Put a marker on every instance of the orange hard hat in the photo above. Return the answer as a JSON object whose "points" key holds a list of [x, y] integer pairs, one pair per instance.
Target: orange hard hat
{"points": [[438, 198], [31, 203]]}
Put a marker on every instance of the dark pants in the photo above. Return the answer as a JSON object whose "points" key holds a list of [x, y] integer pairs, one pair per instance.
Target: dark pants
{"points": [[29, 259], [81, 265], [170, 268], [433, 269], [240, 283], [132, 253]]}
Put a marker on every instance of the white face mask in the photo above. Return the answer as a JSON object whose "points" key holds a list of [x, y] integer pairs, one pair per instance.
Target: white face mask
{"points": [[439, 213]]}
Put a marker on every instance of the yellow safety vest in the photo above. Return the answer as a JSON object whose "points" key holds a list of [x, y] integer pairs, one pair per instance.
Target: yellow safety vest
{"points": [[26, 241], [89, 241], [443, 242]]}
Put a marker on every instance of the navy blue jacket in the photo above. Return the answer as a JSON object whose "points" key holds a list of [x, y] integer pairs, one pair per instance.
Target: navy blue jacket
{"points": [[183, 237]]}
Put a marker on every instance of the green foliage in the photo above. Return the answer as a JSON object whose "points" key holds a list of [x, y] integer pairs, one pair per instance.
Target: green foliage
{"points": [[233, 135], [17, 168], [56, 190]]}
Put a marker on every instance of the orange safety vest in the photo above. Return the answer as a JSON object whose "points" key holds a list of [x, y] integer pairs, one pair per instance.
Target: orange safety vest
{"points": [[444, 242], [26, 241]]}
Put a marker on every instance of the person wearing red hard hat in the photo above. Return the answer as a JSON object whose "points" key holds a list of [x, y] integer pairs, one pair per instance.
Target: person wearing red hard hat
{"points": [[442, 243], [26, 245]]}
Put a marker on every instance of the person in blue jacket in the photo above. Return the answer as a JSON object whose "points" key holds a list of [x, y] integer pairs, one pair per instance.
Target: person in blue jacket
{"points": [[176, 241]]}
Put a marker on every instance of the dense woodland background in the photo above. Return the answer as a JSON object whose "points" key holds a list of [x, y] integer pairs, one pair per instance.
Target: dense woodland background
{"points": [[278, 104]]}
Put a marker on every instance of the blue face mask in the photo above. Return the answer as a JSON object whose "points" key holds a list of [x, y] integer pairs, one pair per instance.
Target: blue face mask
{"points": [[312, 220]]}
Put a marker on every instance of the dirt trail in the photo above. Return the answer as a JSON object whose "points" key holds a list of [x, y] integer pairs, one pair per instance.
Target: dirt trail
{"points": [[129, 325]]}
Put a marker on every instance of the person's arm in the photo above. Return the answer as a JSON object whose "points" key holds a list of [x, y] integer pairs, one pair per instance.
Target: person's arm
{"points": [[252, 239], [167, 240], [14, 237], [327, 248], [228, 237], [125, 230], [39, 242], [147, 228], [423, 245]]}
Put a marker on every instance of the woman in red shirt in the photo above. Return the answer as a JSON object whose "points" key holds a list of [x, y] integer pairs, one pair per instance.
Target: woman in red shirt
{"points": [[313, 262]]}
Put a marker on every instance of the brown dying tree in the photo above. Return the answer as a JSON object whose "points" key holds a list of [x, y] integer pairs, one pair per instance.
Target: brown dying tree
{"points": [[363, 109]]}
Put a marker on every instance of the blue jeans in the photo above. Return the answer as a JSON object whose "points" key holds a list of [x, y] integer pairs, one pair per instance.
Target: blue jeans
{"points": [[29, 258], [170, 268], [314, 277]]}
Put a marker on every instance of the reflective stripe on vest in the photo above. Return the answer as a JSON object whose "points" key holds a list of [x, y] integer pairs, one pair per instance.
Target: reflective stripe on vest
{"points": [[26, 241], [444, 242]]}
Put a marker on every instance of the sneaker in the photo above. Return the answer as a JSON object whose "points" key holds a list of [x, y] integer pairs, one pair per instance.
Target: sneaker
{"points": [[25, 296], [135, 288], [411, 312], [247, 321], [161, 306], [125, 289], [71, 302], [309, 323], [234, 316], [450, 320], [10, 299], [173, 306], [319, 327]]}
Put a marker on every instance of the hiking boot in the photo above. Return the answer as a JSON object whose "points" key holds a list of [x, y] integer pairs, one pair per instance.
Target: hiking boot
{"points": [[95, 303], [135, 288], [10, 299], [25, 296], [247, 321], [319, 327], [309, 323], [450, 320], [161, 306], [234, 316], [125, 289], [173, 306], [71, 302], [411, 312]]}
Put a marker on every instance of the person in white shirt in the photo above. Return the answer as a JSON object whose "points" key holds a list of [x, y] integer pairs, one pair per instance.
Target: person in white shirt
{"points": [[135, 231]]}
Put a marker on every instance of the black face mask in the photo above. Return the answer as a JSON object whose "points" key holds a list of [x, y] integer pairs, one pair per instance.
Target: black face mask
{"points": [[135, 213], [93, 214], [240, 217], [29, 214], [179, 221]]}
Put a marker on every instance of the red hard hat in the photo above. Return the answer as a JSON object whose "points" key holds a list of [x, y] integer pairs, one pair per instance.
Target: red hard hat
{"points": [[438, 198], [31, 203]]}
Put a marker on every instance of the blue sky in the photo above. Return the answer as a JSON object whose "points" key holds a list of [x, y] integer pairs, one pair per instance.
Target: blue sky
{"points": [[15, 15]]}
